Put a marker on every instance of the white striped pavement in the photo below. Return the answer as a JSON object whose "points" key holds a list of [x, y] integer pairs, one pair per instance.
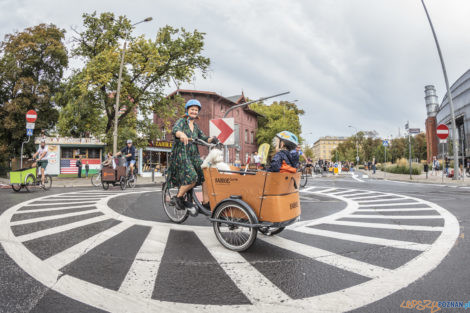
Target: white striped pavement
{"points": [[393, 217], [53, 217], [381, 200], [387, 226], [140, 279], [61, 228], [54, 209], [60, 203], [69, 255], [365, 239], [397, 210], [387, 204]]}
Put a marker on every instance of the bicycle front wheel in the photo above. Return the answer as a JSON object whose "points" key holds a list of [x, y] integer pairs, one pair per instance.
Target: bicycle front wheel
{"points": [[96, 180], [47, 182], [29, 182], [169, 205], [303, 178]]}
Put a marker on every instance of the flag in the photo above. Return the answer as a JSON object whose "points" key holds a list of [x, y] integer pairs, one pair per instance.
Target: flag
{"points": [[67, 166], [263, 152]]}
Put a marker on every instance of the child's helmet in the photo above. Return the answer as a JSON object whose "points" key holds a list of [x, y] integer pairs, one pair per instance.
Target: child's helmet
{"points": [[288, 138]]}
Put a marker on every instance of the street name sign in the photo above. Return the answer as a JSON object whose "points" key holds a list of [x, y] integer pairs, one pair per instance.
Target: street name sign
{"points": [[222, 128], [414, 130], [31, 116], [442, 131]]}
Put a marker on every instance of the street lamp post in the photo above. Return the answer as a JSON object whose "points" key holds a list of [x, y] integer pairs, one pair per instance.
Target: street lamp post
{"points": [[118, 91], [357, 147], [449, 95]]}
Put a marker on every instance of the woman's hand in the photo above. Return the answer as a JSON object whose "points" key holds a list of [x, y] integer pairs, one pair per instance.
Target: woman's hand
{"points": [[184, 138]]}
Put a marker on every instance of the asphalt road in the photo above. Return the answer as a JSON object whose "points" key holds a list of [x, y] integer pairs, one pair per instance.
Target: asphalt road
{"points": [[362, 245]]}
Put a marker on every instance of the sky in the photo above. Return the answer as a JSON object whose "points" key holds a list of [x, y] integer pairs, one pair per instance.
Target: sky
{"points": [[362, 63]]}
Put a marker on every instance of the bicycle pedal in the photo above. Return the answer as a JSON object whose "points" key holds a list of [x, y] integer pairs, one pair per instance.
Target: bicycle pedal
{"points": [[193, 211]]}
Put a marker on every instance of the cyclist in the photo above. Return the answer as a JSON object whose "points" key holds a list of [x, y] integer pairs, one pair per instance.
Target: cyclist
{"points": [[129, 152], [185, 170], [284, 161], [41, 161]]}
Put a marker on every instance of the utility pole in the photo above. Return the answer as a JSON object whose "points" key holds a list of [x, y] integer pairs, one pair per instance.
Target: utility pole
{"points": [[449, 95]]}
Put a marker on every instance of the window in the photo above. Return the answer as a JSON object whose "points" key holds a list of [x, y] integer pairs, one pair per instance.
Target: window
{"points": [[93, 153], [252, 137], [66, 153], [247, 139]]}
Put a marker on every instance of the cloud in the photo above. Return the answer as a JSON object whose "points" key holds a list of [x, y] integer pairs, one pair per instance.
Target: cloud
{"points": [[363, 62]]}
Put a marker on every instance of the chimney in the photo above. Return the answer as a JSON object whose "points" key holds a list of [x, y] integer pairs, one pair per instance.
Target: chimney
{"points": [[432, 107]]}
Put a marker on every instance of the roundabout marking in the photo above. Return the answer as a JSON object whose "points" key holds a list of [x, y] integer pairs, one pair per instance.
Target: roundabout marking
{"points": [[134, 294]]}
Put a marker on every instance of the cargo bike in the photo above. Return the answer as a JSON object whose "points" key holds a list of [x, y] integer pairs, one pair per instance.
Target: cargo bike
{"points": [[115, 176], [29, 178], [241, 203]]}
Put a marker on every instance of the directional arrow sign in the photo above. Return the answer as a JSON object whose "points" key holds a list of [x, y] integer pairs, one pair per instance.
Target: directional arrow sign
{"points": [[442, 131], [222, 128], [31, 116]]}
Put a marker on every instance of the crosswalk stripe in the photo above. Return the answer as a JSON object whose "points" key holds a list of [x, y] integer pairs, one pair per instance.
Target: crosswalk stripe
{"points": [[387, 204], [369, 197], [387, 226], [60, 203], [328, 257], [242, 273], [53, 217], [365, 239], [140, 279], [381, 200], [54, 209], [393, 217], [61, 228], [69, 255], [355, 194], [396, 210], [327, 190]]}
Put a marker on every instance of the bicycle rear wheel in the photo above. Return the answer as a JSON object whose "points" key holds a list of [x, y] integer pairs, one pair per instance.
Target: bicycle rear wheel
{"points": [[168, 200]]}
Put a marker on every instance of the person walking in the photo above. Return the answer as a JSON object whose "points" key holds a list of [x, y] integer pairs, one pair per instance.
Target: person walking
{"points": [[87, 168], [79, 166], [374, 167], [433, 166], [257, 160], [447, 166]]}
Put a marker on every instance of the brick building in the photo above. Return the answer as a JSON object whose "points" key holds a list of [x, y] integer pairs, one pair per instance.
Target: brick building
{"points": [[214, 106]]}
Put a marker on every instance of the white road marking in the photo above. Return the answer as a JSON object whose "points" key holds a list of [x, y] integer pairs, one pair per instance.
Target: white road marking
{"points": [[69, 255], [52, 217], [61, 203], [395, 210], [54, 209], [387, 226], [355, 177], [365, 239], [242, 273], [361, 202], [396, 217], [342, 192], [327, 257], [369, 197], [388, 204], [58, 229], [140, 279], [326, 190]]}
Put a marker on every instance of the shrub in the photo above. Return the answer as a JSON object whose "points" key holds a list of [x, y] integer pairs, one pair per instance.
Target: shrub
{"points": [[401, 168]]}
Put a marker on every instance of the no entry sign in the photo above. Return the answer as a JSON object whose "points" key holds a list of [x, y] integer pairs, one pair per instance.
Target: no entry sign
{"points": [[442, 131], [31, 116]]}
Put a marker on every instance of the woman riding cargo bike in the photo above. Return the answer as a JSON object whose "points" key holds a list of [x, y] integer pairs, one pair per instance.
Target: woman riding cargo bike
{"points": [[238, 203]]}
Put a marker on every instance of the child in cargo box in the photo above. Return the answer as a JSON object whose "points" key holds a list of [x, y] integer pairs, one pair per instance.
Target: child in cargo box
{"points": [[284, 161]]}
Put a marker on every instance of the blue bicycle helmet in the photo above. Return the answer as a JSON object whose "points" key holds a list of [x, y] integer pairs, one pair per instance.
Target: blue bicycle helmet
{"points": [[286, 135], [191, 103]]}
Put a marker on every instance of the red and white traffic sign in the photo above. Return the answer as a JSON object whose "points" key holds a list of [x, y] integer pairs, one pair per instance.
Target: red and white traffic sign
{"points": [[442, 131], [31, 116], [223, 128]]}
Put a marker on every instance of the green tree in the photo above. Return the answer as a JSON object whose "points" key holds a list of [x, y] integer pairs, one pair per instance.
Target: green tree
{"points": [[150, 65], [275, 118], [32, 64]]}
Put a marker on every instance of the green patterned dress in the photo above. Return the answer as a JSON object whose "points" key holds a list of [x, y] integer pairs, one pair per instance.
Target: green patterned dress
{"points": [[185, 162]]}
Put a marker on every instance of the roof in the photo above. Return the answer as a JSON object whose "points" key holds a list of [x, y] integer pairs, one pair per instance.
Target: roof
{"points": [[232, 99]]}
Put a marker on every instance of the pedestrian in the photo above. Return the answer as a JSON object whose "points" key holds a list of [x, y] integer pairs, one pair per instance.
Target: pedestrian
{"points": [[257, 160], [79, 166], [87, 168], [434, 166], [373, 166], [447, 166], [426, 169]]}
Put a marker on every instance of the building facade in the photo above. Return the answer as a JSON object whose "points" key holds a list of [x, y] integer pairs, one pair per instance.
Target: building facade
{"points": [[322, 147], [461, 99], [213, 106]]}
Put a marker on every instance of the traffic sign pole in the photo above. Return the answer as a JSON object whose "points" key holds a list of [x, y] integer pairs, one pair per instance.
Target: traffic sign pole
{"points": [[31, 117]]}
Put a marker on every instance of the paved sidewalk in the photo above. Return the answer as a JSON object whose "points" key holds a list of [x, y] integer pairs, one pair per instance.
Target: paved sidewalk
{"points": [[437, 179], [86, 182]]}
